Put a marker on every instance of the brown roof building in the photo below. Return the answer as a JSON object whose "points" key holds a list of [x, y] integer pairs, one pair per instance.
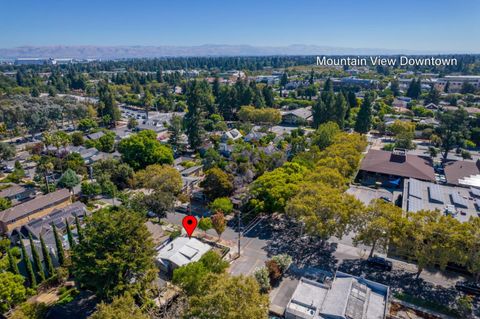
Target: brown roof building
{"points": [[20, 215], [457, 170], [398, 163]]}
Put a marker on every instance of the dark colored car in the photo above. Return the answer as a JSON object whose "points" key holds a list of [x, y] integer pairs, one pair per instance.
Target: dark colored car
{"points": [[380, 262], [468, 287]]}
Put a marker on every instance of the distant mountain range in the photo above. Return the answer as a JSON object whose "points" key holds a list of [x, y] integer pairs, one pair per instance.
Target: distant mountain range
{"points": [[122, 52]]}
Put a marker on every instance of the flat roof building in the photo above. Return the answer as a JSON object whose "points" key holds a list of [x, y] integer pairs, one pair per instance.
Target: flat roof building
{"points": [[346, 297], [179, 252], [461, 203]]}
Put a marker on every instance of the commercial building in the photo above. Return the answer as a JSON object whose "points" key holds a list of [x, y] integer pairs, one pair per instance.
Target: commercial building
{"points": [[455, 82], [459, 202], [457, 172], [343, 297], [384, 166]]}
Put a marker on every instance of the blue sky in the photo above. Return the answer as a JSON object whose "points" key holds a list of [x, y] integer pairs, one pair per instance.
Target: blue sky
{"points": [[440, 25]]}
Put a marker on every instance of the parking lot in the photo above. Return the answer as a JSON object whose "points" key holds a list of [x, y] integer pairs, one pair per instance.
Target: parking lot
{"points": [[366, 194]]}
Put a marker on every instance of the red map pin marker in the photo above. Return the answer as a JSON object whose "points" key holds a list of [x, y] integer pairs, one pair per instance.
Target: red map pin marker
{"points": [[189, 224]]}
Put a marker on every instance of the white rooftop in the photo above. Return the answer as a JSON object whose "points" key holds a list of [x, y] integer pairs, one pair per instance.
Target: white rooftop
{"points": [[348, 297], [182, 251]]}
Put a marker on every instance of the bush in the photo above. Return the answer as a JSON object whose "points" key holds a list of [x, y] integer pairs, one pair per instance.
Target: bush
{"points": [[263, 279], [274, 271], [283, 261], [223, 204]]}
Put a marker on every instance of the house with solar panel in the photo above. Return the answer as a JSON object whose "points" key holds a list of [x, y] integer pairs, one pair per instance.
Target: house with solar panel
{"points": [[458, 202], [343, 297]]}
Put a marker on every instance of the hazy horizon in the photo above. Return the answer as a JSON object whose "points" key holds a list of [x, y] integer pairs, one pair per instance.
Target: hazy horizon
{"points": [[433, 26]]}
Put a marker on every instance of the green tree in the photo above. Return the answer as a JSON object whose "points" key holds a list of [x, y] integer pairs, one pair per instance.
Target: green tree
{"points": [[452, 130], [115, 255], [32, 281], [37, 263], [7, 151], [379, 222], [59, 245], [122, 307], [143, 149], [262, 277], [12, 291], [107, 105], [12, 263], [283, 82], [50, 270], [364, 117], [433, 96], [69, 179], [325, 211], [106, 143], [132, 123], [77, 138], [71, 241], [414, 89], [205, 224], [87, 124], [229, 297], [222, 204], [191, 278], [175, 129], [217, 184], [5, 203], [199, 101], [213, 262], [79, 229], [273, 189], [219, 223], [147, 102]]}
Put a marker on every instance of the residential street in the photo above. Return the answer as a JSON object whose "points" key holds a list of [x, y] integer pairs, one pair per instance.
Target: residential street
{"points": [[269, 237]]}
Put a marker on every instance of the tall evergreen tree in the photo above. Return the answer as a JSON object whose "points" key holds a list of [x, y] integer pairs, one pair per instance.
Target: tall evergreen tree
{"points": [[107, 105], [414, 89], [267, 93], [447, 87], [216, 88], [71, 241], [364, 117], [199, 101], [58, 243], [37, 263], [395, 88], [352, 99], [28, 265], [283, 82], [12, 263], [319, 113], [50, 270], [340, 109], [79, 229]]}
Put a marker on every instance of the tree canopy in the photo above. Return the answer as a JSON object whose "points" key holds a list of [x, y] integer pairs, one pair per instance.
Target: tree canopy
{"points": [[115, 254]]}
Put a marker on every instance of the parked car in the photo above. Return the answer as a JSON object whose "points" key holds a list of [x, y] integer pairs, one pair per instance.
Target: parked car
{"points": [[468, 287], [380, 262]]}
